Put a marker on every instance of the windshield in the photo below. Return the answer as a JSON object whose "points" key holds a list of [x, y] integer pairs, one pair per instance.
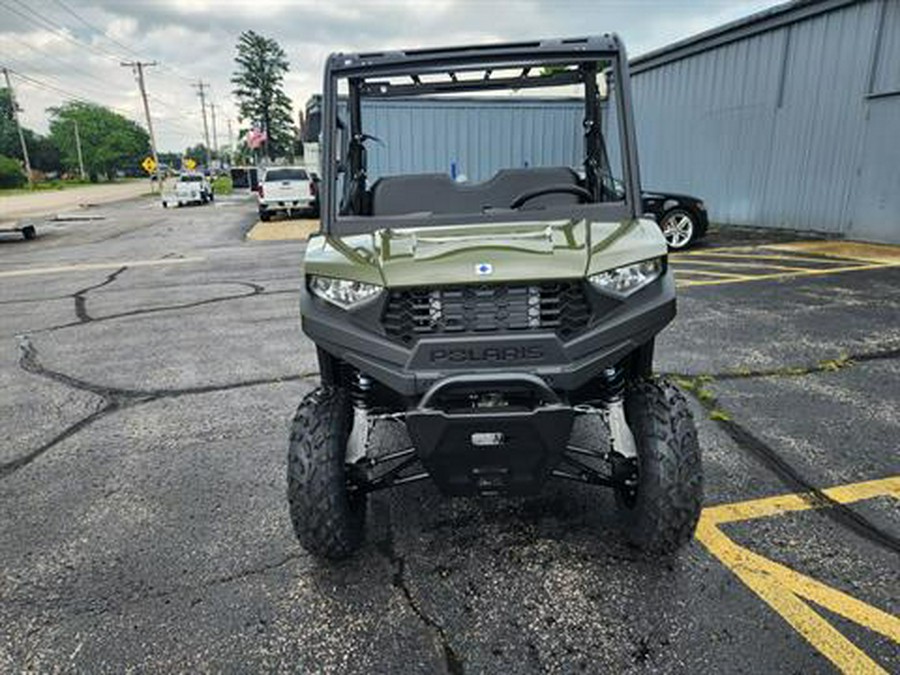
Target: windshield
{"points": [[471, 143], [285, 174]]}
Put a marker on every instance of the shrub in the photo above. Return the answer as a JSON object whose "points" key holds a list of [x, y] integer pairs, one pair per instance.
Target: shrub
{"points": [[11, 174]]}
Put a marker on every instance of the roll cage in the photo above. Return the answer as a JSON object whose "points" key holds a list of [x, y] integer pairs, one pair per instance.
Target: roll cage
{"points": [[375, 75]]}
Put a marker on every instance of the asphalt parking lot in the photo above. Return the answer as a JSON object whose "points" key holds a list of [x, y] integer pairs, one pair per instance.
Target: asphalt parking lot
{"points": [[150, 363]]}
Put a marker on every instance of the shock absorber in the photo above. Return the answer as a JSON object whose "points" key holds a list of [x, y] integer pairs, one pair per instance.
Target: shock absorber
{"points": [[360, 396], [360, 390], [614, 379], [623, 449], [620, 436]]}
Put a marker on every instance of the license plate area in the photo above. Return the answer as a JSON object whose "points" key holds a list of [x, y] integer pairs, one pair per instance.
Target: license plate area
{"points": [[490, 452]]}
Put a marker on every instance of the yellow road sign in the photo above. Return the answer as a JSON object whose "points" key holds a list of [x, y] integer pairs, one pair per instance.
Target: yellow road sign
{"points": [[190, 164], [149, 165]]}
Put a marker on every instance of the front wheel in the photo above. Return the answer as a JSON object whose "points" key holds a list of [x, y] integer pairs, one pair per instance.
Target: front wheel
{"points": [[679, 227], [661, 514], [328, 515]]}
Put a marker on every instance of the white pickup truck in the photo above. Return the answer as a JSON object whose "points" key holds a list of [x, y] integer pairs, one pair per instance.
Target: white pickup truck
{"points": [[190, 188], [285, 188]]}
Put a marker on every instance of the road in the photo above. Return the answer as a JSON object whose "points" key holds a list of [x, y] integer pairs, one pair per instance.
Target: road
{"points": [[150, 363], [50, 202]]}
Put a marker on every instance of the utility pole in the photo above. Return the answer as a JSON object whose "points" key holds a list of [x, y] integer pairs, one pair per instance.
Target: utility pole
{"points": [[201, 87], [78, 149], [230, 144], [15, 109], [138, 68], [212, 109]]}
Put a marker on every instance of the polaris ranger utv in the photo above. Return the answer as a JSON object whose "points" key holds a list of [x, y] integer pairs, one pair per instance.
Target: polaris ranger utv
{"points": [[491, 315]]}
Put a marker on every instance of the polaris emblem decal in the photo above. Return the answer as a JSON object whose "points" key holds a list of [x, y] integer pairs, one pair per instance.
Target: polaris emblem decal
{"points": [[484, 269]]}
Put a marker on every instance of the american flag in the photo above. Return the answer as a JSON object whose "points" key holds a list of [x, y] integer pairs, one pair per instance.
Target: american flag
{"points": [[256, 137]]}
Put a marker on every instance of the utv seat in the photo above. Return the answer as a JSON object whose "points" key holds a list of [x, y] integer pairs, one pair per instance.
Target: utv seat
{"points": [[437, 193]]}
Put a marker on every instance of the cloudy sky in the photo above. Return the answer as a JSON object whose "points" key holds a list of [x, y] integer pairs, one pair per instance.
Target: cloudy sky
{"points": [[60, 49]]}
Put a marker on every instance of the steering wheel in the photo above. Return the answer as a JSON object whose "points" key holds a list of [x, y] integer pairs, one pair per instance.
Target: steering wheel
{"points": [[549, 190]]}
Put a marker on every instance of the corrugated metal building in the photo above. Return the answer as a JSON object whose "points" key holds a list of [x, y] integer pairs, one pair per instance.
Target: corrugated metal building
{"points": [[790, 118], [474, 136]]}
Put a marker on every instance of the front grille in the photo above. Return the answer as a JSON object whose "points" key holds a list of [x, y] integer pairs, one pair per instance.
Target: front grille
{"points": [[486, 308]]}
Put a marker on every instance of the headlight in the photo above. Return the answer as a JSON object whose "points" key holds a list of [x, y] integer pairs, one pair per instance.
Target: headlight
{"points": [[342, 292], [625, 280]]}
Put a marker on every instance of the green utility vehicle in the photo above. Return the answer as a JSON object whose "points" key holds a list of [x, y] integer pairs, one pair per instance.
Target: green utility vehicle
{"points": [[506, 320]]}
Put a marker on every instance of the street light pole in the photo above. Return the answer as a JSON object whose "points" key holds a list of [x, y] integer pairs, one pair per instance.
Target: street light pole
{"points": [[15, 110], [138, 68]]}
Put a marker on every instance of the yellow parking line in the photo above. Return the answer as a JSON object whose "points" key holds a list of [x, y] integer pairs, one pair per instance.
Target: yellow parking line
{"points": [[790, 593], [855, 250], [679, 270], [723, 263], [765, 256], [788, 275], [83, 267], [772, 506]]}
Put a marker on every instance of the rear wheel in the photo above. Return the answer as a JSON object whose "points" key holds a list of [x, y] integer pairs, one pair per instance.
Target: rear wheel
{"points": [[679, 227], [29, 232], [661, 514], [327, 514], [265, 216]]}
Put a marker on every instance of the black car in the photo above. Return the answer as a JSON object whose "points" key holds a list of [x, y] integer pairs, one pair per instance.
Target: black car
{"points": [[681, 218]]}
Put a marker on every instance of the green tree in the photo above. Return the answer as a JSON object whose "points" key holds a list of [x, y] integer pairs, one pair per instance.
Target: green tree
{"points": [[42, 151], [196, 153], [259, 89], [109, 142], [11, 173], [9, 136]]}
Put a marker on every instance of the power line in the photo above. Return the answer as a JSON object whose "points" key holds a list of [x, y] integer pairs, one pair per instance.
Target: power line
{"points": [[67, 63], [54, 27], [34, 82], [111, 39]]}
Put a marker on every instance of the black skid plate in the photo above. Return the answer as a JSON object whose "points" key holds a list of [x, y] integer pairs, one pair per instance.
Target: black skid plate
{"points": [[492, 450]]}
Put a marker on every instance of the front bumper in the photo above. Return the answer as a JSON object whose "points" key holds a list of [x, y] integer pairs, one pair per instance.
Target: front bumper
{"points": [[357, 338], [287, 204], [488, 451]]}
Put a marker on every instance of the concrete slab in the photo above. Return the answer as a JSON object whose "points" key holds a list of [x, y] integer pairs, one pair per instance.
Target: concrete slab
{"points": [[283, 230]]}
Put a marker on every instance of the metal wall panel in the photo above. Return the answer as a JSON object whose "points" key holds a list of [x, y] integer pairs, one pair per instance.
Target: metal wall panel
{"points": [[770, 130], [478, 137]]}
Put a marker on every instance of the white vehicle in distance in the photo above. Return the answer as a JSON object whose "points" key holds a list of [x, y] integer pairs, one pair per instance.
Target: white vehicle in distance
{"points": [[190, 188], [285, 188]]}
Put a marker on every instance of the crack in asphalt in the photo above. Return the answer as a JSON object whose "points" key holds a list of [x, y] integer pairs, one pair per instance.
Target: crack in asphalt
{"points": [[824, 366], [385, 546], [787, 473], [109, 604], [114, 398], [255, 289], [8, 468], [840, 513], [80, 297]]}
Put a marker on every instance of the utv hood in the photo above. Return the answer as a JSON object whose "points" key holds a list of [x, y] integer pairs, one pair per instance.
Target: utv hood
{"points": [[498, 252]]}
